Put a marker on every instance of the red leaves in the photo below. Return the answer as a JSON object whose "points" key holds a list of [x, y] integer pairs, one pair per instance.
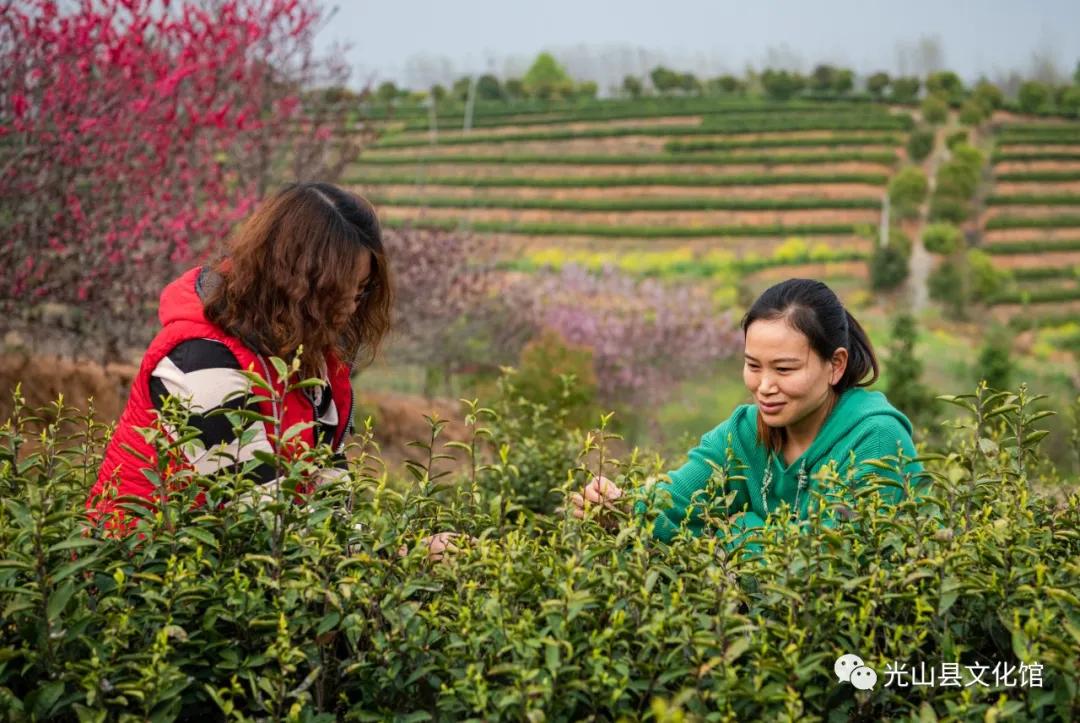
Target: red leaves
{"points": [[143, 128], [19, 105]]}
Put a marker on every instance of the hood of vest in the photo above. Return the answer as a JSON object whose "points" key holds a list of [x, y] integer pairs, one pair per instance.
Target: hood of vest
{"points": [[180, 300]]}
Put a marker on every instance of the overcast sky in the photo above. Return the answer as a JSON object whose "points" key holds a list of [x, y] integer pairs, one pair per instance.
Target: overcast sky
{"points": [[418, 42]]}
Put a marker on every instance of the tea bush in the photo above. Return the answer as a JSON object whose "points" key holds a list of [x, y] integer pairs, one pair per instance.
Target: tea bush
{"points": [[920, 144], [907, 189], [260, 609]]}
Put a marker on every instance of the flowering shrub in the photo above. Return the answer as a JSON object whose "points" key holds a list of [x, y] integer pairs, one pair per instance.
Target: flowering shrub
{"points": [[644, 334], [134, 133], [308, 612], [452, 313]]}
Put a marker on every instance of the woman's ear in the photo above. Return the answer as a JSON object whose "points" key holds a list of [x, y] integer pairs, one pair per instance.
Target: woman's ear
{"points": [[839, 366]]}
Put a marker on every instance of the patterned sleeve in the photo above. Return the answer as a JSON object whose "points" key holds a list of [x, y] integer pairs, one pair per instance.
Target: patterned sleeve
{"points": [[205, 376]]}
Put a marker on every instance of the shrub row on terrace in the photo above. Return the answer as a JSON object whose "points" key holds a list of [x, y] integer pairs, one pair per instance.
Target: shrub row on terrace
{"points": [[1030, 156], [1034, 199], [834, 141], [1002, 248], [628, 231], [709, 268], [885, 158], [1040, 294], [585, 106], [688, 180], [769, 123], [632, 204], [271, 609], [452, 120], [1035, 273], [846, 119], [1000, 222], [1040, 320], [1049, 135]]}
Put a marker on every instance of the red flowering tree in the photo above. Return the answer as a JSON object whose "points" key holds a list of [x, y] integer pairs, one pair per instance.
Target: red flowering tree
{"points": [[133, 135]]}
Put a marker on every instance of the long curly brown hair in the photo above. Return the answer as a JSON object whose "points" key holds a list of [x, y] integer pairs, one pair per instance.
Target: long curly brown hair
{"points": [[292, 270]]}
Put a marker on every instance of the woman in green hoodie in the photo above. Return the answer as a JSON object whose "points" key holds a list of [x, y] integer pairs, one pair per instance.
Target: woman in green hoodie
{"points": [[806, 360]]}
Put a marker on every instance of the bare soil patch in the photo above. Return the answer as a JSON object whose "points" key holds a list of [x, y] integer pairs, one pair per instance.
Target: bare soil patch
{"points": [[1004, 312], [45, 377], [1013, 187], [637, 218], [1029, 234], [399, 418], [1031, 211], [1036, 166], [1033, 148], [1040, 260]]}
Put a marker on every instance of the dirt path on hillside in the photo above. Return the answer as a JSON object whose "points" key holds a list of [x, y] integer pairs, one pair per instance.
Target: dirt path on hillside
{"points": [[922, 262]]}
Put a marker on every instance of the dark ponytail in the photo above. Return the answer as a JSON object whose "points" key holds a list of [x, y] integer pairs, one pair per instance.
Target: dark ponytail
{"points": [[861, 358], [813, 308]]}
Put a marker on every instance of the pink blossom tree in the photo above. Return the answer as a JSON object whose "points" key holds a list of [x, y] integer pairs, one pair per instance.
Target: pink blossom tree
{"points": [[133, 135]]}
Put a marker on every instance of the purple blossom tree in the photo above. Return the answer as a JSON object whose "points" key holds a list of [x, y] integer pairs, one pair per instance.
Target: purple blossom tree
{"points": [[646, 335]]}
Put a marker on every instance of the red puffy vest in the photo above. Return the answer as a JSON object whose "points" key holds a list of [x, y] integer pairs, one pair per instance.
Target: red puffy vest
{"points": [[182, 318]]}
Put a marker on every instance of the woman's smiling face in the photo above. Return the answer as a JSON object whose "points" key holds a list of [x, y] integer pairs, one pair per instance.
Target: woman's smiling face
{"points": [[787, 379]]}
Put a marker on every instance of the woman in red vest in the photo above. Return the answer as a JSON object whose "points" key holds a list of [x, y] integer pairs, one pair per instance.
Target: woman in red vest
{"points": [[308, 269]]}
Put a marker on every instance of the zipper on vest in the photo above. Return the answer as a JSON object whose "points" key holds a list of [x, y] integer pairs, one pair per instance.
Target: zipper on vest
{"points": [[349, 422]]}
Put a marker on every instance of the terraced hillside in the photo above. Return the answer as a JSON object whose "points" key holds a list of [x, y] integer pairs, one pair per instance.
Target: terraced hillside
{"points": [[1032, 224], [675, 186]]}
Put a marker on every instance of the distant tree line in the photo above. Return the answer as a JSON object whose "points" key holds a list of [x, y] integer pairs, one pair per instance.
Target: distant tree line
{"points": [[547, 79]]}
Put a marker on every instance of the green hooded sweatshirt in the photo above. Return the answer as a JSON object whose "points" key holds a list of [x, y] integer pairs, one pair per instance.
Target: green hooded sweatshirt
{"points": [[862, 426]]}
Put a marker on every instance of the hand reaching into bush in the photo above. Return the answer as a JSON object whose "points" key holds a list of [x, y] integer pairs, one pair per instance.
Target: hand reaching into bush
{"points": [[439, 545], [600, 491]]}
